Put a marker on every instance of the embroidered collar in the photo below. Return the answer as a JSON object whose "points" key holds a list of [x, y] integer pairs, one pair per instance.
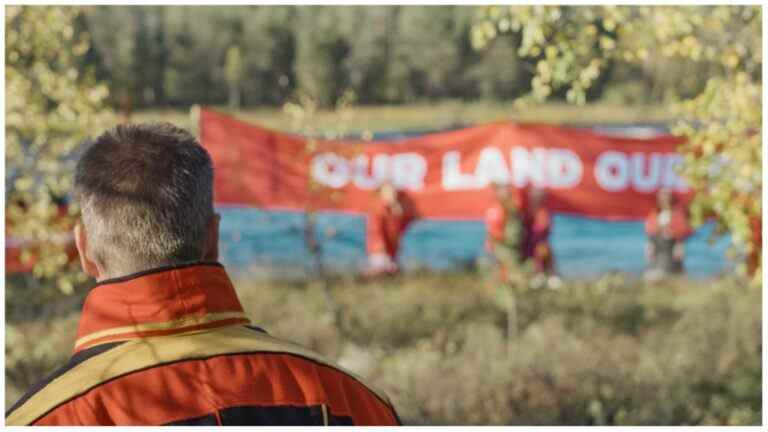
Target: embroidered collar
{"points": [[157, 302]]}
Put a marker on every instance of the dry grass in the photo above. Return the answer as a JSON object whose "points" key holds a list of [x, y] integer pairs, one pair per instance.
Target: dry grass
{"points": [[600, 353], [606, 352]]}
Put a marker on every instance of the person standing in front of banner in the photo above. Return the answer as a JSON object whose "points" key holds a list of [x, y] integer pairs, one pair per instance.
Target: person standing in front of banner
{"points": [[537, 226], [667, 228], [391, 214], [504, 233]]}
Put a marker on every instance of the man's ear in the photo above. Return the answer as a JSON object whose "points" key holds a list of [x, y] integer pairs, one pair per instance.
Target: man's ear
{"points": [[81, 242], [212, 239]]}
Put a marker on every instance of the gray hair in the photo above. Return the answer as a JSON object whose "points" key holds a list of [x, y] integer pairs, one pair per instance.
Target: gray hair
{"points": [[146, 197]]}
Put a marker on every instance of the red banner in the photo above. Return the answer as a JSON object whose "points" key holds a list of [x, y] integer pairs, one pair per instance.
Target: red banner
{"points": [[447, 175]]}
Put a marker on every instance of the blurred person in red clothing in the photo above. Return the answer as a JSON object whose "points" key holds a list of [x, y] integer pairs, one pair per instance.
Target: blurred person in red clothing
{"points": [[518, 229], [504, 231], [389, 218], [667, 227], [537, 226]]}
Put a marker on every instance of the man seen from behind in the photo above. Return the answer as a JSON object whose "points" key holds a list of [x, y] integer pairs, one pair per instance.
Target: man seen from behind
{"points": [[163, 339]]}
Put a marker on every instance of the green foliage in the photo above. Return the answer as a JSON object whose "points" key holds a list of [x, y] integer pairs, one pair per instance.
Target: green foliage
{"points": [[52, 105], [151, 55], [268, 54], [723, 156], [714, 56], [319, 49]]}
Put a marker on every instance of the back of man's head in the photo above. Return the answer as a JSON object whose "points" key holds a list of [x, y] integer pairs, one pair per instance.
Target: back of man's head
{"points": [[146, 197]]}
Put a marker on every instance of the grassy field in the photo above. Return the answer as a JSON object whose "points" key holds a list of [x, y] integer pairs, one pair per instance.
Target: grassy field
{"points": [[608, 352], [433, 116]]}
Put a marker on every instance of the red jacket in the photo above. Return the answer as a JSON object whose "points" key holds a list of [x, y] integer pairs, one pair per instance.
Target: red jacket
{"points": [[171, 346], [385, 229], [537, 226], [495, 221], [679, 227]]}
